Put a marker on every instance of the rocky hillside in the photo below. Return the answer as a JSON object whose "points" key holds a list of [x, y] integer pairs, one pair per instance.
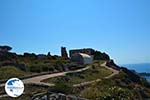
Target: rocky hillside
{"points": [[127, 85]]}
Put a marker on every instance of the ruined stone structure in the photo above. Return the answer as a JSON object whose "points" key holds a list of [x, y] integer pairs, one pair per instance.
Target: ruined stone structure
{"points": [[82, 58], [64, 52], [88, 51]]}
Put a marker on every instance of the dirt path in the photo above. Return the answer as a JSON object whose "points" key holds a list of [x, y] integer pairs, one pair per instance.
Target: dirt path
{"points": [[38, 79], [114, 72]]}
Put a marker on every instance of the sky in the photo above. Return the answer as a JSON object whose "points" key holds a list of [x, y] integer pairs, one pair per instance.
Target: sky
{"points": [[120, 28]]}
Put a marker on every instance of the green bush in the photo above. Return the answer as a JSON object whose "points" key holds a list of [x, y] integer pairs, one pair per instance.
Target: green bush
{"points": [[36, 69], [62, 88], [10, 72]]}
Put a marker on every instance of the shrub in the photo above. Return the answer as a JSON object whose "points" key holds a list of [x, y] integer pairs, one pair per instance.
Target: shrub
{"points": [[62, 88]]}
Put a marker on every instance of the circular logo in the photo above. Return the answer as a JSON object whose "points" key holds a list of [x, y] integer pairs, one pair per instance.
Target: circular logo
{"points": [[14, 87]]}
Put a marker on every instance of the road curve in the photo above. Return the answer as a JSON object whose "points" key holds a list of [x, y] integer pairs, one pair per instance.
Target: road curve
{"points": [[38, 79], [114, 72]]}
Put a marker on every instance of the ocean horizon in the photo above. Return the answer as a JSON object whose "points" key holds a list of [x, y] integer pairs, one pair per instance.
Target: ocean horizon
{"points": [[140, 68]]}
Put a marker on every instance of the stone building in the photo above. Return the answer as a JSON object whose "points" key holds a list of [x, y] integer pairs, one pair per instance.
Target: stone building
{"points": [[88, 51], [82, 58]]}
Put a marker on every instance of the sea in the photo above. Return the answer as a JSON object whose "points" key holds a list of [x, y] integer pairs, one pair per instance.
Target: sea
{"points": [[140, 68]]}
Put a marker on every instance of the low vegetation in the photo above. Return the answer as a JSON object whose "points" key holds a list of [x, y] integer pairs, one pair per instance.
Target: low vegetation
{"points": [[20, 65], [96, 71], [127, 85], [62, 88], [11, 72], [119, 87]]}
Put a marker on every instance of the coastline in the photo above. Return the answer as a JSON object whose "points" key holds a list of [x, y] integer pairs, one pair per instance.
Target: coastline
{"points": [[143, 69]]}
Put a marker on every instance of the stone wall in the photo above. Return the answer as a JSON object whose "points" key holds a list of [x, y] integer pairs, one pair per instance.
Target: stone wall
{"points": [[88, 51]]}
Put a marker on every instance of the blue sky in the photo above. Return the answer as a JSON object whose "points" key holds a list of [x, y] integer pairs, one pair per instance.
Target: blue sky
{"points": [[120, 28]]}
